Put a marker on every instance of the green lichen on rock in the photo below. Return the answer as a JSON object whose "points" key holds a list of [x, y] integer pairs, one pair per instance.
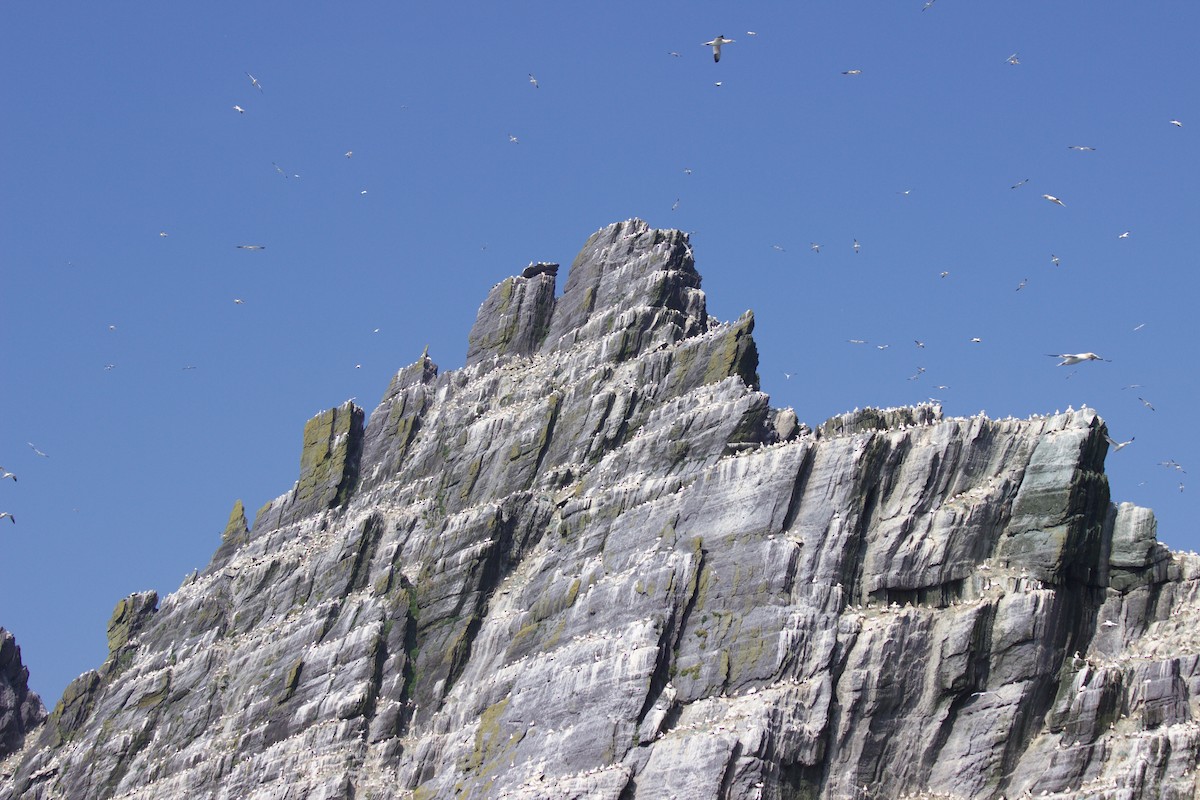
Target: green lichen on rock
{"points": [[72, 709], [329, 457], [128, 617], [291, 681], [736, 355]]}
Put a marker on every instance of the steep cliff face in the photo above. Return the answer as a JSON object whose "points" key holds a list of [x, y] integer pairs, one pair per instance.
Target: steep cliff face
{"points": [[20, 709], [595, 562]]}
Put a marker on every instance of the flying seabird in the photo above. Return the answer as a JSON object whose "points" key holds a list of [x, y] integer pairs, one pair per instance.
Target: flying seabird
{"points": [[533, 80], [512, 139], [1054, 259], [348, 153], [239, 301], [239, 109], [1021, 182], [1022, 284], [852, 72], [251, 247], [1146, 403], [11, 518], [1115, 445], [1177, 123], [1012, 59], [36, 451], [1070, 359], [1124, 235], [7, 475], [857, 246], [816, 248], [254, 81], [716, 43], [1081, 148], [1053, 199]]}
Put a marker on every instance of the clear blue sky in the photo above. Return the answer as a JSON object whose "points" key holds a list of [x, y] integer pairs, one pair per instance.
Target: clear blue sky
{"points": [[118, 126]]}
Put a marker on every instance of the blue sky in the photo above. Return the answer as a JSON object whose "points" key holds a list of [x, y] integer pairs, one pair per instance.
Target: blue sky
{"points": [[119, 126]]}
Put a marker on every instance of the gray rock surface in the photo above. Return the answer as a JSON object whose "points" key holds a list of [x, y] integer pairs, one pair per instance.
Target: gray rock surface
{"points": [[595, 562], [20, 709]]}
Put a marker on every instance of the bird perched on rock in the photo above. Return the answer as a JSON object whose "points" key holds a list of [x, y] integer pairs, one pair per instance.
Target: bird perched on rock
{"points": [[1070, 359], [716, 43]]}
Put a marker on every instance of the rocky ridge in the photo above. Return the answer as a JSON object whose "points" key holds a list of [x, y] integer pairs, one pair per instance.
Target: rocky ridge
{"points": [[595, 562]]}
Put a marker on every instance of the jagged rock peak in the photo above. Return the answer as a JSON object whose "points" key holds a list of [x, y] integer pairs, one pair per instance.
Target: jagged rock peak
{"points": [[628, 278], [595, 562], [21, 710]]}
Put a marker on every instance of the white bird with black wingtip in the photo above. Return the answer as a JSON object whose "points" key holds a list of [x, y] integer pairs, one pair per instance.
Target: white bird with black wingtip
{"points": [[716, 43]]}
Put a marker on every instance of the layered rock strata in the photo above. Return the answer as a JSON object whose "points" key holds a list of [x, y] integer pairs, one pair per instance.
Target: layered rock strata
{"points": [[20, 709], [594, 562]]}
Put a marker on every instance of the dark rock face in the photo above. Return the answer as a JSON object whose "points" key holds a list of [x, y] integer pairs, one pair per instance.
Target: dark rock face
{"points": [[595, 562], [21, 710]]}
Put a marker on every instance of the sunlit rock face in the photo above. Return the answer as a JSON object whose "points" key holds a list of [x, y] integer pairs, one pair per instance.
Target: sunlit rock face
{"points": [[595, 562]]}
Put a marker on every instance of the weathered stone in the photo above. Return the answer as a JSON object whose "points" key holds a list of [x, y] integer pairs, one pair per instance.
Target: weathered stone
{"points": [[515, 316], [21, 711], [595, 562]]}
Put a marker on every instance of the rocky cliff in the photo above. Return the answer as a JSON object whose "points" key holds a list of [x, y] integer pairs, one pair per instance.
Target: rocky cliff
{"points": [[595, 562]]}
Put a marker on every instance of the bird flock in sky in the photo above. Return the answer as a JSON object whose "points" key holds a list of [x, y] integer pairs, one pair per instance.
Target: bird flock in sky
{"points": [[1066, 359]]}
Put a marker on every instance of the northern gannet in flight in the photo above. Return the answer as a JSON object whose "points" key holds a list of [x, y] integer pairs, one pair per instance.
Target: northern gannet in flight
{"points": [[36, 451], [11, 518], [239, 109], [1070, 359], [1053, 199], [1115, 445], [533, 80], [254, 81], [251, 247], [716, 43]]}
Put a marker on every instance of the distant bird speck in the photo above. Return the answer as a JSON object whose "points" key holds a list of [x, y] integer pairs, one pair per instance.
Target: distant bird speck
{"points": [[349, 153], [1177, 123], [919, 344], [928, 5], [1012, 60], [254, 81], [675, 205], [943, 274], [239, 301], [857, 246], [1146, 403], [1022, 284], [163, 234], [1081, 148], [533, 80], [816, 248], [1124, 235], [1019, 183], [251, 247], [239, 109], [1053, 199], [752, 33], [976, 340], [8, 516], [674, 54], [7, 475], [716, 43], [852, 72], [1054, 260], [512, 139], [36, 451]]}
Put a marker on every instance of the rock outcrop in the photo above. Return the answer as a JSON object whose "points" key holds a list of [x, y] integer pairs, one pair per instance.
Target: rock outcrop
{"points": [[595, 562], [20, 709]]}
